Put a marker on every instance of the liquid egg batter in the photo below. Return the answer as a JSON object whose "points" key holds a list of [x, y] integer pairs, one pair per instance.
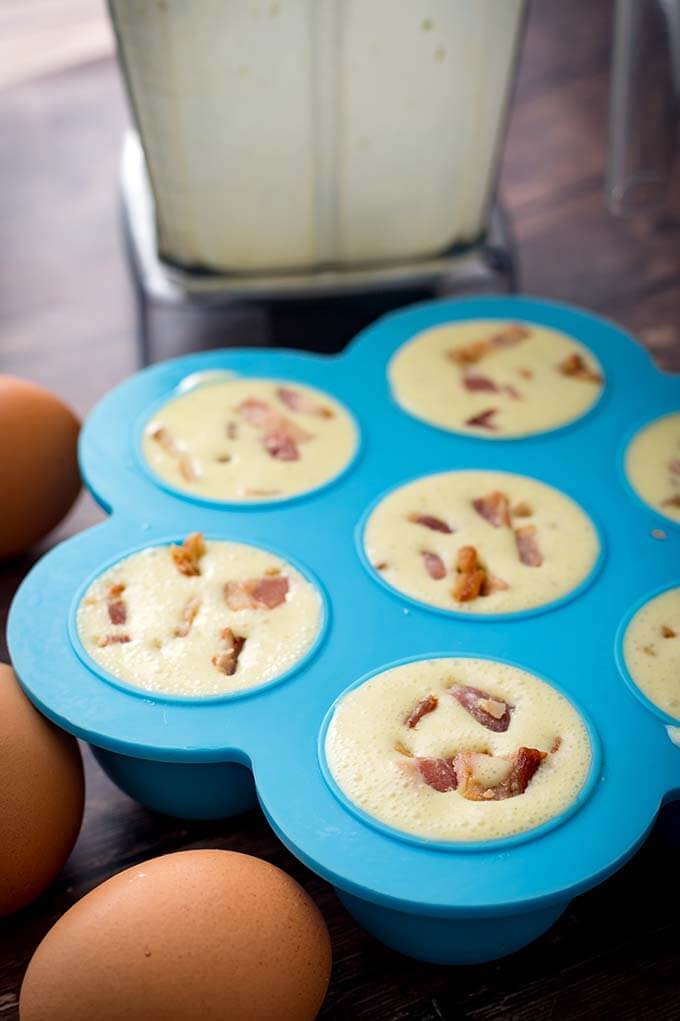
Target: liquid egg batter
{"points": [[653, 465], [481, 542], [248, 440], [495, 379], [651, 649], [458, 749], [203, 618]]}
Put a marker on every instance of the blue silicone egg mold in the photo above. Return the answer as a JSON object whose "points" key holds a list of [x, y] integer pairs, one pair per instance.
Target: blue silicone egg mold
{"points": [[214, 757]]}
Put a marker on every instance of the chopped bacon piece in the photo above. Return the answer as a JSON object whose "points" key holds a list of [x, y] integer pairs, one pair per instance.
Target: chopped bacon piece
{"points": [[439, 774], [522, 510], [494, 508], [674, 466], [479, 384], [425, 706], [649, 650], [301, 402], [556, 745], [281, 446], [187, 556], [117, 639], [189, 468], [262, 416], [511, 391], [471, 575], [256, 593], [189, 613], [575, 365], [667, 631], [672, 501], [223, 458], [382, 566], [162, 435], [226, 660], [483, 420], [430, 521], [527, 546], [232, 430], [470, 353], [116, 606], [434, 565], [523, 766], [492, 713]]}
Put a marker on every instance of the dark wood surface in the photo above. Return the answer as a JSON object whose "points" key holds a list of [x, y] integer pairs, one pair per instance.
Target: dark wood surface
{"points": [[66, 320]]}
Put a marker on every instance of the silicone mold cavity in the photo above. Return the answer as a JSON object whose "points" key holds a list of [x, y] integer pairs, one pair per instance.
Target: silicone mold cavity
{"points": [[195, 757]]}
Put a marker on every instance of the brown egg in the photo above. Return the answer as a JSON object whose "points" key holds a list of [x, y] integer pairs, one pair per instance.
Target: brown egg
{"points": [[41, 797], [38, 464], [191, 936]]}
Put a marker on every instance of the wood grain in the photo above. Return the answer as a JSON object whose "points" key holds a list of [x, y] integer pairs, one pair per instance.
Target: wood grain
{"points": [[66, 320]]}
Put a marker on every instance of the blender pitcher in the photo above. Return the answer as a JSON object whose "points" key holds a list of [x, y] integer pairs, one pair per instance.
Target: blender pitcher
{"points": [[301, 137], [644, 103]]}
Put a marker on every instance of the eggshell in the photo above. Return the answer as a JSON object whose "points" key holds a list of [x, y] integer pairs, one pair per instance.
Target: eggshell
{"points": [[192, 936], [38, 463], [41, 797]]}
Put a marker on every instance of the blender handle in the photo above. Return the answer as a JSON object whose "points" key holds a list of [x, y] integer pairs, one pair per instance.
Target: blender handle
{"points": [[642, 112]]}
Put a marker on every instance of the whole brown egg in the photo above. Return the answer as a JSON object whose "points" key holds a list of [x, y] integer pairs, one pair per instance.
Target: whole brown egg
{"points": [[41, 797], [191, 936], [38, 463]]}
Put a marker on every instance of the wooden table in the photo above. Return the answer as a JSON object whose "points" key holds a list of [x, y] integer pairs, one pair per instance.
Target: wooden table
{"points": [[66, 320]]}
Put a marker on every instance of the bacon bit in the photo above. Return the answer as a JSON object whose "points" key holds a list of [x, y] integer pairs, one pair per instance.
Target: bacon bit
{"points": [[658, 533], [117, 639], [492, 583], [280, 446], [298, 401], [479, 384], [522, 510], [524, 764], [187, 556], [162, 435], [226, 661], [256, 593], [492, 713], [425, 706], [667, 631], [471, 575], [382, 566], [483, 420], [494, 508], [477, 349], [429, 521], [674, 466], [672, 501], [262, 416], [189, 613], [556, 745], [189, 468], [434, 565], [223, 459], [525, 373], [575, 365], [511, 391], [649, 650], [439, 774], [527, 546], [115, 605], [232, 430]]}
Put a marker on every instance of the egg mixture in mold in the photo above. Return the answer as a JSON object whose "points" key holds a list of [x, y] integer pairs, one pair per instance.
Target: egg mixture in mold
{"points": [[204, 758]]}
